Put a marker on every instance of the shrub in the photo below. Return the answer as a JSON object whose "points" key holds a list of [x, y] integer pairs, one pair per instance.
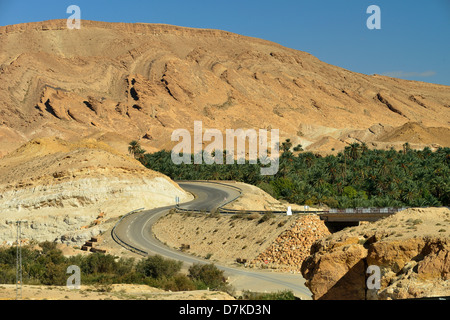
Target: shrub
{"points": [[98, 263], [253, 216], [7, 275], [266, 187], [55, 274], [214, 214], [280, 295], [48, 266], [266, 217], [299, 147], [207, 275], [414, 221], [179, 282], [158, 267], [239, 215], [282, 223]]}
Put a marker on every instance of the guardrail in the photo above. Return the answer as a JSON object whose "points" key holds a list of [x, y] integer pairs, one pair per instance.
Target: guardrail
{"points": [[123, 243], [234, 211], [212, 182], [221, 183], [221, 209], [390, 210], [328, 212], [387, 210]]}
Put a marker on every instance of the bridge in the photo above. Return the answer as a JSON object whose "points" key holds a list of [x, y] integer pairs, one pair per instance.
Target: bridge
{"points": [[338, 219], [335, 219], [357, 214]]}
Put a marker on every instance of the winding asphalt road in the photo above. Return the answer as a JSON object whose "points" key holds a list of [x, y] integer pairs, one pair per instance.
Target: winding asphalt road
{"points": [[136, 230]]}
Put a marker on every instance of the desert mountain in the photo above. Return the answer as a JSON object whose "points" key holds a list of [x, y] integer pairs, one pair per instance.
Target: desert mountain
{"points": [[115, 82]]}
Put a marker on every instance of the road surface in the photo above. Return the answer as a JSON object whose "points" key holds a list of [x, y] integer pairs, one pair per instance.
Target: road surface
{"points": [[136, 230]]}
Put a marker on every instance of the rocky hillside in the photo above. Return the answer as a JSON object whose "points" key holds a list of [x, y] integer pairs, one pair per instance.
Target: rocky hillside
{"points": [[267, 241], [411, 248], [70, 192], [293, 246], [222, 238], [116, 82]]}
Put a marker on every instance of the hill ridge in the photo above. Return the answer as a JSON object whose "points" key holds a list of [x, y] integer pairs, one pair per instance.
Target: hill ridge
{"points": [[142, 81]]}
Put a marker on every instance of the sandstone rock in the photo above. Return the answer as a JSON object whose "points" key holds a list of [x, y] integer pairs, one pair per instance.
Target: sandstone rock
{"points": [[436, 263], [412, 266], [394, 254], [336, 273], [289, 250]]}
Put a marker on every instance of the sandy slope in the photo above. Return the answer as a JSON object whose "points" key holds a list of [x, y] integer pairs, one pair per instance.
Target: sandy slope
{"points": [[107, 292]]}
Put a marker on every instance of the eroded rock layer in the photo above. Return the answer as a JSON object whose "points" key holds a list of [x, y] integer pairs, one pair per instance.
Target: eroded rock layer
{"points": [[69, 192]]}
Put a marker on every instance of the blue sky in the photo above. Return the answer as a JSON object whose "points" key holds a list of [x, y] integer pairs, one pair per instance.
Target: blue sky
{"points": [[413, 42]]}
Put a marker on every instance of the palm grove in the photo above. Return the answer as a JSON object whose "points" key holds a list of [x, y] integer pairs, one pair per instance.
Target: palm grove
{"points": [[356, 177]]}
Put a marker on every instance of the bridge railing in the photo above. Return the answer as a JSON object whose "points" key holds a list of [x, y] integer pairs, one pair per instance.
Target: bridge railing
{"points": [[221, 209], [389, 210], [229, 185]]}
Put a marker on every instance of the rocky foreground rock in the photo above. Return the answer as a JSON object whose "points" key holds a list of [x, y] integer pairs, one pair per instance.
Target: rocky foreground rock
{"points": [[411, 250]]}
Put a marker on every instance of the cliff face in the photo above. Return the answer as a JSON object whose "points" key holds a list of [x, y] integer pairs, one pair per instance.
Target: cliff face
{"points": [[69, 192], [411, 248], [142, 81]]}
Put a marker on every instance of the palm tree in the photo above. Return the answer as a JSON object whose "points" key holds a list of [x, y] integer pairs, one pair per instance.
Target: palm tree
{"points": [[286, 146], [134, 148], [364, 148], [299, 147], [406, 147], [354, 150]]}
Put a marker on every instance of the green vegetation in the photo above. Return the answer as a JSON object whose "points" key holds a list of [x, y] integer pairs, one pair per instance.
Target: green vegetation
{"points": [[158, 267], [266, 217], [208, 276], [48, 266], [356, 177], [281, 295]]}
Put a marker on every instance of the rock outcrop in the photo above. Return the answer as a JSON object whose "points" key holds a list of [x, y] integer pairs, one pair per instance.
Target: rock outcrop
{"points": [[61, 189], [411, 250], [292, 246]]}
